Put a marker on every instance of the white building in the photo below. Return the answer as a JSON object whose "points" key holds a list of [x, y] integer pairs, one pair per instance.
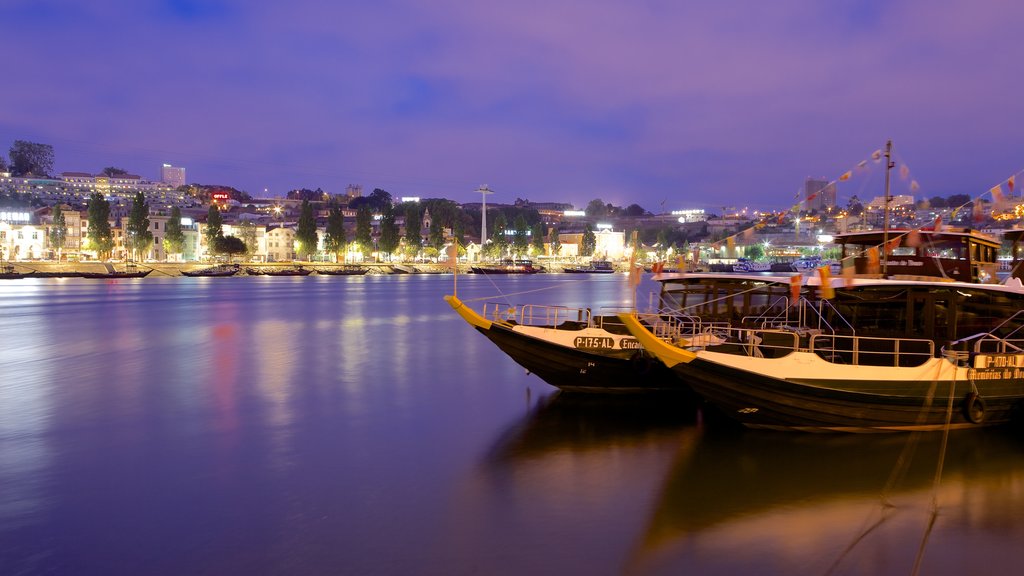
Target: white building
{"points": [[173, 176]]}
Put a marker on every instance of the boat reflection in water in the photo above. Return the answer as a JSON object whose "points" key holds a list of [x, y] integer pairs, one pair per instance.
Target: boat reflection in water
{"points": [[567, 422], [784, 503]]}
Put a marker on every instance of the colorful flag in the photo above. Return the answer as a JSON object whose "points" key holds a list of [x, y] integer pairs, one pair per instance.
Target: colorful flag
{"points": [[862, 164], [904, 171], [873, 266], [826, 282], [938, 223], [1009, 183], [976, 214], [846, 176], [730, 246], [892, 245], [914, 186], [748, 233], [876, 155], [913, 238], [997, 193], [849, 269], [794, 289]]}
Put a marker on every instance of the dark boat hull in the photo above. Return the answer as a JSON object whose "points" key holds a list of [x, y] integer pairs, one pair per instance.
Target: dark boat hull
{"points": [[210, 273], [759, 400], [103, 275], [342, 271], [485, 270], [578, 370]]}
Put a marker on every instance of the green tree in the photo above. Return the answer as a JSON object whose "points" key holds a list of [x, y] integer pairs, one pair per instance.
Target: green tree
{"points": [[174, 237], [634, 211], [31, 158], [139, 238], [589, 242], [537, 237], [436, 235], [554, 242], [101, 239], [389, 237], [596, 208], [112, 171], [413, 226], [305, 232], [754, 252], [334, 236], [520, 241], [58, 231], [247, 233], [364, 230], [214, 228], [230, 245], [498, 237]]}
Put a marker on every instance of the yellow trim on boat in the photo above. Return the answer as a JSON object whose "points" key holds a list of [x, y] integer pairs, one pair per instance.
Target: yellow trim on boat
{"points": [[670, 355], [468, 314]]}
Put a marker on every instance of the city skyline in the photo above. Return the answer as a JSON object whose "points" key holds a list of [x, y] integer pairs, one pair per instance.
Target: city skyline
{"points": [[665, 105]]}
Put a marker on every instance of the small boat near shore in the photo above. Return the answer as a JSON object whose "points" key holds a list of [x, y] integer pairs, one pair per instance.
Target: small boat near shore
{"points": [[131, 270], [595, 267], [508, 266], [7, 272], [273, 271], [343, 271], [213, 271]]}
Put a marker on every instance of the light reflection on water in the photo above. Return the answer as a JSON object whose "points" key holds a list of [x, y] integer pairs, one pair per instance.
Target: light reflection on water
{"points": [[358, 426]]}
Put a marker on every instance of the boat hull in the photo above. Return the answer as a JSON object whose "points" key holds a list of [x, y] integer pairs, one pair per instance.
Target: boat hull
{"points": [[804, 392], [573, 369]]}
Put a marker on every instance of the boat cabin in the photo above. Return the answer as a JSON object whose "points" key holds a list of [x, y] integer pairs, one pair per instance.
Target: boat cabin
{"points": [[959, 254]]}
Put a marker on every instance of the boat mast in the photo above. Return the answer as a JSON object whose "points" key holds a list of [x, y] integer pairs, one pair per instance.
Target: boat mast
{"points": [[885, 225]]}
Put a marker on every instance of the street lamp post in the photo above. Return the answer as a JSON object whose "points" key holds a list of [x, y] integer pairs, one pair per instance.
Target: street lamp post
{"points": [[484, 191]]}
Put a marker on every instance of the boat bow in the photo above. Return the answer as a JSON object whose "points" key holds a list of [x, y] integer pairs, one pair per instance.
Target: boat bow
{"points": [[670, 355], [468, 314]]}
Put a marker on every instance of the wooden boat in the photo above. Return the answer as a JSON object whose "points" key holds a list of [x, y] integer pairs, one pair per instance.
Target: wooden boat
{"points": [[744, 265], [130, 271], [569, 349], [595, 267], [895, 353], [517, 266], [7, 272], [271, 271], [213, 271], [343, 271], [574, 350]]}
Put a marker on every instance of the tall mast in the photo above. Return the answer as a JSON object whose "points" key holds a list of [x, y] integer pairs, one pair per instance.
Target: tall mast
{"points": [[885, 225]]}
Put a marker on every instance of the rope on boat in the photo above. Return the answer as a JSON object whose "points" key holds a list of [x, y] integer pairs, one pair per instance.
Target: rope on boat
{"points": [[938, 475], [505, 296], [897, 474]]}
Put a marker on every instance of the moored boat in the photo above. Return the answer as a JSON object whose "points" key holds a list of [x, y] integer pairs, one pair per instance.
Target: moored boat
{"points": [[213, 271], [595, 267], [881, 354], [343, 271], [274, 271], [7, 272], [570, 349], [517, 266]]}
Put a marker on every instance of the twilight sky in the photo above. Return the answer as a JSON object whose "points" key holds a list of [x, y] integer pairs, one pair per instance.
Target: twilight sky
{"points": [[666, 103]]}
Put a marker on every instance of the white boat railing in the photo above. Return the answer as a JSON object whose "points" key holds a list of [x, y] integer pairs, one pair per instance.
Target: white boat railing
{"points": [[538, 315], [835, 348]]}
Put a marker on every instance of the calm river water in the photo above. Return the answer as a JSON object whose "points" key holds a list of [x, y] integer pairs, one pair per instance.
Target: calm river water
{"points": [[356, 425]]}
